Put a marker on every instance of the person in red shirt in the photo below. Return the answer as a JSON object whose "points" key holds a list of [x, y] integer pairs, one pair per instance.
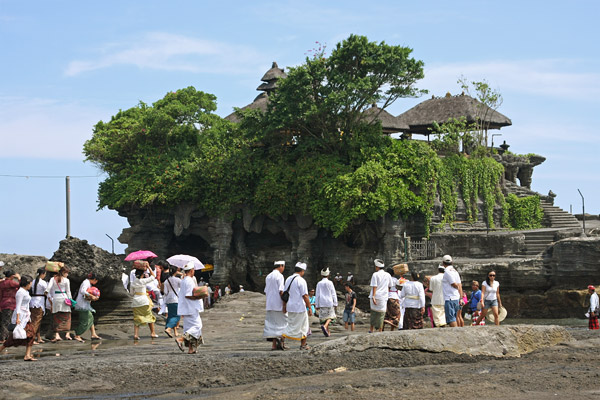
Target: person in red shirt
{"points": [[8, 291]]}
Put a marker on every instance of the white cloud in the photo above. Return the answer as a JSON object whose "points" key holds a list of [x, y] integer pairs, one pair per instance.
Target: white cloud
{"points": [[555, 78], [170, 52], [45, 128]]}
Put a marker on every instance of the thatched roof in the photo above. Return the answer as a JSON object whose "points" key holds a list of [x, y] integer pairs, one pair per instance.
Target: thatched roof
{"points": [[389, 123], [260, 103], [440, 109], [274, 73]]}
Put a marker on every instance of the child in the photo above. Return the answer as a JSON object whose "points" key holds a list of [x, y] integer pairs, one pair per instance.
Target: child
{"points": [[349, 316]]}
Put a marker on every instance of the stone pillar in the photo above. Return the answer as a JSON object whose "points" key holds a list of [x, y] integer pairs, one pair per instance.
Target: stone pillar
{"points": [[221, 233]]}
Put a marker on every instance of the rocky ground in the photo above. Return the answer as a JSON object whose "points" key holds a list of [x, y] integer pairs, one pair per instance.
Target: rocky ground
{"points": [[236, 363]]}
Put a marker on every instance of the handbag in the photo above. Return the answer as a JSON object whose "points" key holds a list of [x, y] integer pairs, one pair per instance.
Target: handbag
{"points": [[285, 296], [68, 301], [19, 333]]}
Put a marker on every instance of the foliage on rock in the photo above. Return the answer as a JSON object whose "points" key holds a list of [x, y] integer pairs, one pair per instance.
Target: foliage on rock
{"points": [[524, 212]]}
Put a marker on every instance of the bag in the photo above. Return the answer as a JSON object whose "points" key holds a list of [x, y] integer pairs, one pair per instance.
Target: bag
{"points": [[285, 296], [70, 302], [54, 266], [11, 327], [19, 333]]}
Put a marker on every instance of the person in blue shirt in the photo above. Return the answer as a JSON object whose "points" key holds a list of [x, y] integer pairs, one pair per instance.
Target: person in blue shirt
{"points": [[313, 299], [475, 297]]}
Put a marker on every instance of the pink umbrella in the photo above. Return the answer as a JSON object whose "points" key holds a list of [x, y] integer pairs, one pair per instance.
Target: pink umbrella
{"points": [[140, 255]]}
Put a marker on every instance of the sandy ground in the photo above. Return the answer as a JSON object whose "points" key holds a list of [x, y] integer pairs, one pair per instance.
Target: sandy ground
{"points": [[236, 363]]}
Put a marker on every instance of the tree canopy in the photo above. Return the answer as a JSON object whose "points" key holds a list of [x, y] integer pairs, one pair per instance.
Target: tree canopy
{"points": [[313, 152]]}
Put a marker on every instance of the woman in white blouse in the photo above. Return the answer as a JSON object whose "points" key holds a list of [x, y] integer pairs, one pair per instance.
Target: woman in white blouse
{"points": [[37, 305], [59, 293], [84, 308], [171, 287], [490, 297], [141, 303], [413, 294], [21, 318]]}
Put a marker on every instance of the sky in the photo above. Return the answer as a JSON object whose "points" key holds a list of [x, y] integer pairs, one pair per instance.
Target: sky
{"points": [[68, 64]]}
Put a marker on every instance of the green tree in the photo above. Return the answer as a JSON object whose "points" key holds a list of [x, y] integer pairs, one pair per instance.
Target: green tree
{"points": [[490, 100]]}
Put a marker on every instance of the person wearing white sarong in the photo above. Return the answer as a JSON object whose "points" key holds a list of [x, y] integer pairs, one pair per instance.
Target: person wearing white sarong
{"points": [[275, 317], [24, 333], [190, 307], [380, 284], [298, 306], [437, 298], [326, 301]]}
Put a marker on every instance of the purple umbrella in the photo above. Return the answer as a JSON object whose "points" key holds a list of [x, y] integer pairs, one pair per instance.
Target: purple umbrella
{"points": [[140, 255]]}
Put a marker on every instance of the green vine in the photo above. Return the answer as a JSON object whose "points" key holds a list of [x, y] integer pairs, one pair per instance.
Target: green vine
{"points": [[524, 212]]}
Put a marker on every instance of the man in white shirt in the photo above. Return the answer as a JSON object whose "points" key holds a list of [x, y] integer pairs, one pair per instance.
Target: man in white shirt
{"points": [[326, 301], [453, 294], [437, 298], [380, 284], [190, 307], [298, 306], [594, 308], [275, 317]]}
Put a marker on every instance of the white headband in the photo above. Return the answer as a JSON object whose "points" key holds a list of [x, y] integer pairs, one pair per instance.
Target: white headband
{"points": [[301, 265], [379, 263]]}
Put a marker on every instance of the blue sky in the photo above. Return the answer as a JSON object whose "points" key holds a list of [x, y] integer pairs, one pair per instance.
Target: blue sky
{"points": [[69, 64]]}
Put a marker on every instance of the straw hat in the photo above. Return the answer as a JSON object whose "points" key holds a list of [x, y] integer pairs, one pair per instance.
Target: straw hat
{"points": [[501, 314]]}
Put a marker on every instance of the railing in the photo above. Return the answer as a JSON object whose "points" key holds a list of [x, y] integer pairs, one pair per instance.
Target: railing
{"points": [[421, 250]]}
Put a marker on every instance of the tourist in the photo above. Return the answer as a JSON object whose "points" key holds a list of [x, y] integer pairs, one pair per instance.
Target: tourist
{"points": [[141, 302], [172, 286], [163, 269], [413, 294], [190, 307], [216, 294], [297, 306], [350, 308], [241, 288], [594, 308], [474, 306], [392, 312], [312, 299], [338, 280], [275, 317], [380, 284], [21, 318], [59, 293], [350, 278], [84, 308], [452, 289], [228, 289], [37, 304], [8, 290], [326, 302], [437, 298], [490, 298]]}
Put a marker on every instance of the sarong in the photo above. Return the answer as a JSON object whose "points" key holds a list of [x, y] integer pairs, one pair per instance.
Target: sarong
{"points": [[297, 327], [377, 318], [392, 313], [10, 342], [192, 325], [413, 319], [143, 315], [593, 324], [86, 320], [326, 313], [5, 318], [62, 321], [173, 318], [36, 319], [439, 316], [275, 324]]}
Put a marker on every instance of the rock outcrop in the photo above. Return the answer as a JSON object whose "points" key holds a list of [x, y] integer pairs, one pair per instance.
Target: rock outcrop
{"points": [[496, 341]]}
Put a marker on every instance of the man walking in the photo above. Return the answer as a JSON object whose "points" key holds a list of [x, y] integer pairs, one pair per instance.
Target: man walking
{"points": [[453, 294], [594, 308], [298, 306], [380, 284], [326, 301], [437, 298], [275, 317], [190, 307]]}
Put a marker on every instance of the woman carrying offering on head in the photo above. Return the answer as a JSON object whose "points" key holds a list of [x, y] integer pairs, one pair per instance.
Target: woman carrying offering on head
{"points": [[84, 308], [490, 298], [59, 293]]}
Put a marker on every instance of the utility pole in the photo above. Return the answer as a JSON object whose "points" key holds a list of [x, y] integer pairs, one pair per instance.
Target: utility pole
{"points": [[68, 189], [583, 207]]}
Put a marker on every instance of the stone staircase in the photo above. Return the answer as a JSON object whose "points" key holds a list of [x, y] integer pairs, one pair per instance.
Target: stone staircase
{"points": [[538, 240]]}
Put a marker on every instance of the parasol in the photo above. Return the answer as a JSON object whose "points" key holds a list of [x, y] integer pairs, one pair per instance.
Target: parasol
{"points": [[140, 255], [180, 260]]}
